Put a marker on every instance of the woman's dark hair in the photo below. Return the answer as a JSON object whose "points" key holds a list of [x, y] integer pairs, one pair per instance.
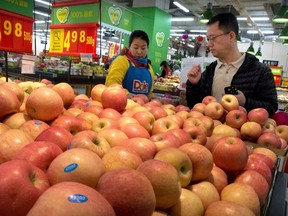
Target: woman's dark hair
{"points": [[138, 34], [227, 22]]}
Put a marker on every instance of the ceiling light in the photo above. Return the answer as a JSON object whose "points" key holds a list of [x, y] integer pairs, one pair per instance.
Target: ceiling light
{"points": [[204, 18], [251, 49], [260, 18], [181, 6], [241, 18], [281, 15], [284, 33], [263, 32], [177, 30], [200, 30], [179, 19]]}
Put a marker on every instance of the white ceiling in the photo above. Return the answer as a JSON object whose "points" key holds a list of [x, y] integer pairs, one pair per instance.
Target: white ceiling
{"points": [[241, 8]]}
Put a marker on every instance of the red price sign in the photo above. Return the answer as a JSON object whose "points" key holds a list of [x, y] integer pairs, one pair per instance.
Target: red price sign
{"points": [[15, 32], [73, 40]]}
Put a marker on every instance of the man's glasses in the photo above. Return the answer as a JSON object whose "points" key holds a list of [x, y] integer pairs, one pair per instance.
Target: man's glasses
{"points": [[212, 38]]}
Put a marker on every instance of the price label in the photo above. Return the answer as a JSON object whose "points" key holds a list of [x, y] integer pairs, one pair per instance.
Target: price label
{"points": [[15, 33], [73, 40]]}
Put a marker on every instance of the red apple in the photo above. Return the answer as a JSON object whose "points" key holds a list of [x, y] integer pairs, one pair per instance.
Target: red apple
{"points": [[113, 136], [66, 92], [121, 157], [218, 178], [146, 119], [114, 97], [135, 130], [119, 188], [229, 102], [143, 97], [236, 118], [81, 96], [11, 142], [44, 104], [158, 112], [21, 184], [72, 198], [165, 181], [208, 99], [242, 194], [195, 114], [251, 131], [97, 91], [181, 107], [95, 109], [34, 127], [56, 135], [165, 140], [14, 87], [9, 102], [15, 120], [282, 131], [76, 165], [90, 140], [225, 130], [200, 107], [196, 134], [201, 158], [79, 103], [269, 139], [259, 115], [70, 123], [183, 114], [143, 146], [180, 160], [230, 153], [183, 136], [73, 111], [103, 123], [267, 152], [177, 119], [3, 128], [109, 113], [211, 141], [262, 157], [164, 124]]}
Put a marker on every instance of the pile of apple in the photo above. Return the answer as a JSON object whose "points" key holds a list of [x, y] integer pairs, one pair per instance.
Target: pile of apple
{"points": [[66, 154]]}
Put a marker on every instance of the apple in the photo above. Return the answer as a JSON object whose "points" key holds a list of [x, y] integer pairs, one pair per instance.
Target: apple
{"points": [[138, 100], [71, 198], [14, 120], [183, 114], [90, 140], [79, 103], [251, 131], [228, 208], [45, 81], [164, 124], [262, 157], [236, 118], [76, 165], [103, 123], [180, 160], [169, 108], [21, 184], [70, 123], [230, 153], [218, 178], [34, 127], [95, 109], [9, 102], [280, 118], [146, 119], [229, 102], [214, 110], [96, 92], [114, 97], [208, 99], [282, 131], [121, 157], [256, 181], [181, 107], [66, 92], [109, 113], [119, 188], [81, 96], [206, 191], [135, 130], [158, 112], [126, 120], [197, 135], [189, 204], [165, 140], [73, 111], [195, 114], [200, 107], [57, 135], [165, 181], [201, 158], [145, 148], [39, 153], [177, 119], [3, 128], [11, 142], [242, 194], [267, 152], [284, 144], [211, 141], [259, 115], [113, 136], [224, 129], [156, 102], [269, 139], [44, 104], [88, 117], [144, 97], [14, 87], [183, 136], [130, 105]]}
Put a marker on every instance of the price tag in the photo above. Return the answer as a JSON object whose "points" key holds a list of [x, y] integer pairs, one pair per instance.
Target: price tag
{"points": [[15, 32], [73, 40]]}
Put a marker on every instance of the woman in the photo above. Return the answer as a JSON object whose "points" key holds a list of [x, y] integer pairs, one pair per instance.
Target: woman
{"points": [[166, 70], [131, 68]]}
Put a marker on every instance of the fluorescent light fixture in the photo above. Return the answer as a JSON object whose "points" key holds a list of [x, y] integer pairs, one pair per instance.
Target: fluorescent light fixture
{"points": [[200, 30], [41, 13], [281, 14], [263, 32], [177, 30], [180, 19], [43, 2], [241, 18], [181, 6], [260, 18]]}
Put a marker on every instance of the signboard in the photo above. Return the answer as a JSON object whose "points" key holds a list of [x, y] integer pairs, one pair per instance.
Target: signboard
{"points": [[16, 26], [74, 28], [270, 62], [277, 72]]}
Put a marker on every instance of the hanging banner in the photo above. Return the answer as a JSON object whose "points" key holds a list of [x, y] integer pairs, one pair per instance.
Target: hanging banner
{"points": [[16, 26], [74, 28]]}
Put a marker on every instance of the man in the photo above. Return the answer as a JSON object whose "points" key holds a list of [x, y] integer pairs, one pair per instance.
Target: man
{"points": [[254, 80]]}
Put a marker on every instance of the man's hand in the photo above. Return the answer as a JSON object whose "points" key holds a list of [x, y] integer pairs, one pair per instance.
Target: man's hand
{"points": [[241, 98], [194, 74]]}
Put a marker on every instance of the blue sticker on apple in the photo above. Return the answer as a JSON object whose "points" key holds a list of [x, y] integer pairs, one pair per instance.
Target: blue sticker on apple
{"points": [[77, 198], [38, 122], [71, 167]]}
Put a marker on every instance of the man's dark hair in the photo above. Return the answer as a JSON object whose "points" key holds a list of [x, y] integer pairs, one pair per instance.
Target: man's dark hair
{"points": [[138, 34], [227, 22]]}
